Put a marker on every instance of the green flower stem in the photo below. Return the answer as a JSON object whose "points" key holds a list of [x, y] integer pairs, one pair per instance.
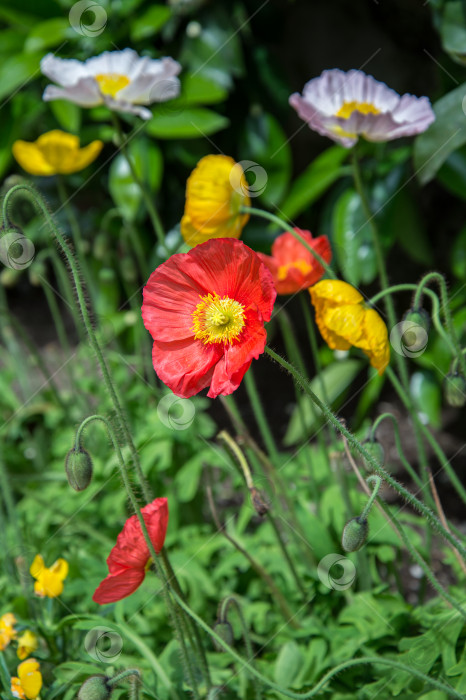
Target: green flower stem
{"points": [[75, 228], [150, 206], [376, 480], [437, 277], [441, 456], [283, 225], [227, 603], [244, 467], [59, 327], [155, 564], [66, 289], [124, 674], [259, 415], [258, 568], [306, 308], [412, 473], [328, 676], [354, 442], [30, 193], [435, 307]]}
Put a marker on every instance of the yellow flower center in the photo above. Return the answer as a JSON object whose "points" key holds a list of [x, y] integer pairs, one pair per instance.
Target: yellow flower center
{"points": [[300, 265], [347, 109], [111, 83], [218, 320]]}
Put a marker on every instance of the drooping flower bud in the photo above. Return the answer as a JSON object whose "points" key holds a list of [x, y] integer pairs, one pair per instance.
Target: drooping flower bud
{"points": [[78, 467], [419, 316], [376, 451], [95, 688], [454, 388], [258, 502], [354, 534], [225, 632]]}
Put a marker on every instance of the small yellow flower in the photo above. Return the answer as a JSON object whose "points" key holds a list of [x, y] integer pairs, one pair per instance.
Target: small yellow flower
{"points": [[55, 153], [49, 582], [7, 631], [215, 191], [27, 643], [29, 683], [344, 321]]}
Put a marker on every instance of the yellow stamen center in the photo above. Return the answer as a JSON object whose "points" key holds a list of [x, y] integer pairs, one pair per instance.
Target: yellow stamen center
{"points": [[347, 109], [218, 320], [300, 265], [111, 83]]}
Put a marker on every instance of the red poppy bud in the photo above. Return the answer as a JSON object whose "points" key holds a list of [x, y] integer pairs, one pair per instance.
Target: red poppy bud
{"points": [[78, 467]]}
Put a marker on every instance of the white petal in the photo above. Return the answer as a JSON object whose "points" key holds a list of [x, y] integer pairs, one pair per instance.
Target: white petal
{"points": [[127, 107], [63, 71], [120, 62], [84, 93]]}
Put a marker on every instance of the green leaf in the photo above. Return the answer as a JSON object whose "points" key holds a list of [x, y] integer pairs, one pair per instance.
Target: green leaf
{"points": [[445, 135], [427, 397], [150, 22], [314, 181], [452, 28], [188, 124], [336, 379], [458, 255], [67, 114], [288, 664], [402, 218], [452, 174], [47, 34], [197, 89], [264, 144], [148, 163], [17, 71], [353, 240]]}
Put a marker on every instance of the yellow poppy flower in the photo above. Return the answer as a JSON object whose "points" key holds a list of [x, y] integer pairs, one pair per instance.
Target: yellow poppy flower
{"points": [[55, 153], [27, 643], [215, 191], [49, 582], [7, 631], [344, 321], [29, 683]]}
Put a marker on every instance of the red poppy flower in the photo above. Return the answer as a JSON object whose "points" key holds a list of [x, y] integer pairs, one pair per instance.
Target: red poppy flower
{"points": [[293, 267], [127, 562], [205, 311]]}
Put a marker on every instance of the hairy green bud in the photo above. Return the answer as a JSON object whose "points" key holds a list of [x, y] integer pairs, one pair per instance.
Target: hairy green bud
{"points": [[78, 467], [95, 688], [225, 632], [376, 451], [354, 534], [418, 316], [454, 388]]}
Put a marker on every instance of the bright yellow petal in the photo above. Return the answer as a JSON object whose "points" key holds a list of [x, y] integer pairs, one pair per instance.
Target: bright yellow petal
{"points": [[7, 620], [49, 585], [82, 158], [27, 644], [31, 678], [37, 566], [16, 688], [60, 569], [31, 158], [346, 322], [335, 292], [59, 150], [376, 335]]}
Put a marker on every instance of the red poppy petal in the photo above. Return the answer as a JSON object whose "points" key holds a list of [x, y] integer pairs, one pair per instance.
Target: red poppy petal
{"points": [[131, 550], [155, 516], [118, 586], [186, 366], [230, 370]]}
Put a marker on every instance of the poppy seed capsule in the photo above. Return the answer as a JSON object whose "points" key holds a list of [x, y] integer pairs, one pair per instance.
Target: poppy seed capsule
{"points": [[225, 632], [454, 387], [376, 451], [354, 534], [95, 688], [78, 467]]}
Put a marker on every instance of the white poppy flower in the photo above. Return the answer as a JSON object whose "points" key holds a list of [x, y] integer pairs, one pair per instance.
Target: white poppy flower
{"points": [[344, 106], [122, 80]]}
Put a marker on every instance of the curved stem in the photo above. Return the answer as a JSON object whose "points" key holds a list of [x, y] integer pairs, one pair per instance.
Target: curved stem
{"points": [[227, 603], [328, 676], [376, 480], [283, 225], [31, 194], [412, 500]]}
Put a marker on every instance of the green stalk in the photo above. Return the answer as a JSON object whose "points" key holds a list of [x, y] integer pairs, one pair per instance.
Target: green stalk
{"points": [[226, 604], [259, 415], [354, 442]]}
